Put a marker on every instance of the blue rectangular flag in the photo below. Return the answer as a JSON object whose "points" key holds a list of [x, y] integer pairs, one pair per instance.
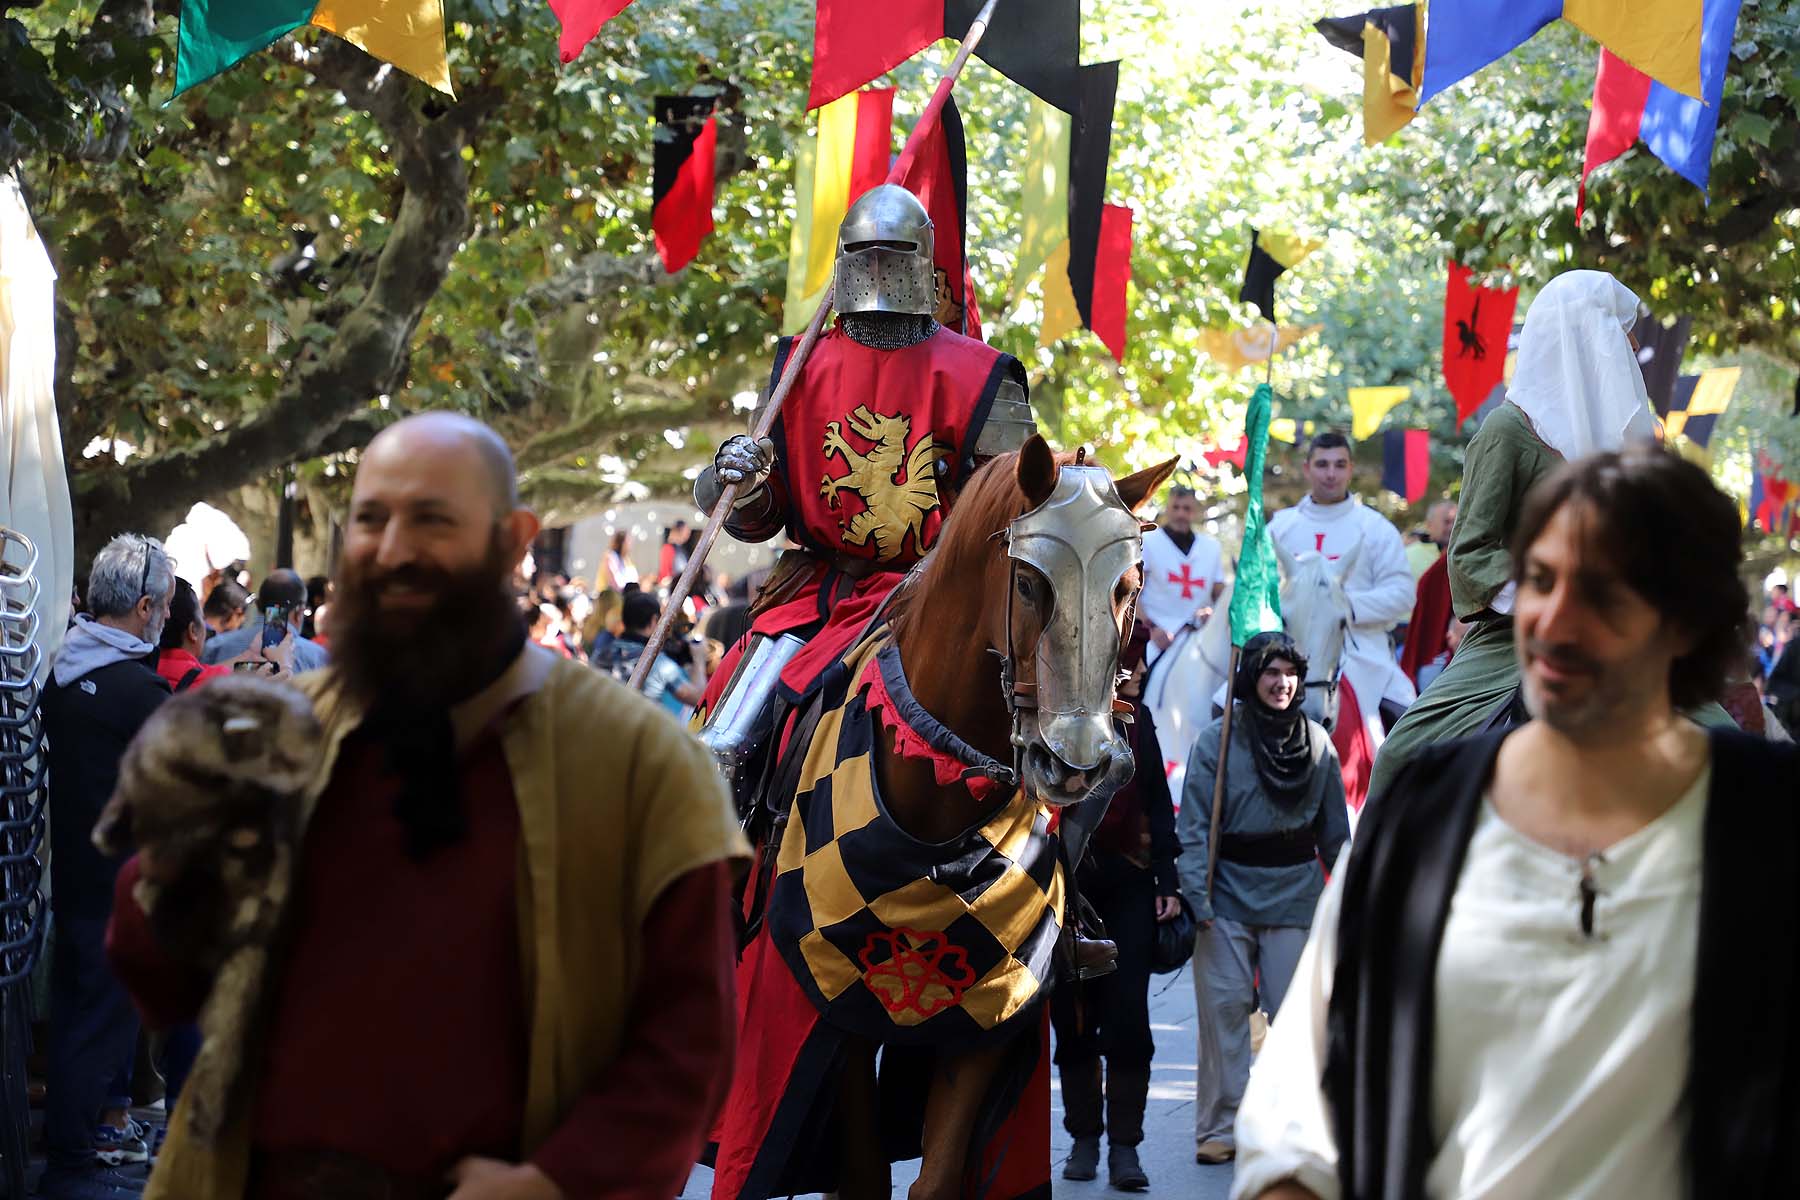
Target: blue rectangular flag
{"points": [[1679, 129], [1463, 36]]}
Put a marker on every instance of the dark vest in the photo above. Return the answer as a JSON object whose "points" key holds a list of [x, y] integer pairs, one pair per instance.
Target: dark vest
{"points": [[1742, 1101]]}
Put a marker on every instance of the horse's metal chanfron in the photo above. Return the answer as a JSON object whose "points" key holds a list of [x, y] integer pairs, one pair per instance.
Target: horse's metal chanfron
{"points": [[1082, 540]]}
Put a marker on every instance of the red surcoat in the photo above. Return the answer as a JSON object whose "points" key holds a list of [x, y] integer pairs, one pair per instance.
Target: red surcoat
{"points": [[856, 450]]}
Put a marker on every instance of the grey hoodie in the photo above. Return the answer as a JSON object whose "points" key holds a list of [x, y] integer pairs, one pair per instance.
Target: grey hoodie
{"points": [[90, 646]]}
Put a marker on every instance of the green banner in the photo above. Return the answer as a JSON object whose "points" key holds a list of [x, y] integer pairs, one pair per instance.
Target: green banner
{"points": [[216, 34], [1256, 596]]}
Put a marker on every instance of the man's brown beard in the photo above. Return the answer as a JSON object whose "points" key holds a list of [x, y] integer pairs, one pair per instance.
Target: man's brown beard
{"points": [[429, 659]]}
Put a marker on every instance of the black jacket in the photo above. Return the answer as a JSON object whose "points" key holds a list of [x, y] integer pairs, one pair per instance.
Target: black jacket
{"points": [[1743, 1091], [89, 722], [1145, 796]]}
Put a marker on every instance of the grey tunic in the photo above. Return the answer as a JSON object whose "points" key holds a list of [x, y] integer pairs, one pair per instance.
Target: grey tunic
{"points": [[1257, 895]]}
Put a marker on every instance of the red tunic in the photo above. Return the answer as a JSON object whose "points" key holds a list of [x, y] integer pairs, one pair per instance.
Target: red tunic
{"points": [[856, 445], [398, 1032]]}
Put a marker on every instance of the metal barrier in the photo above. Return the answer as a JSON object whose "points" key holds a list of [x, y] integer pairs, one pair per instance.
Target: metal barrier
{"points": [[23, 912]]}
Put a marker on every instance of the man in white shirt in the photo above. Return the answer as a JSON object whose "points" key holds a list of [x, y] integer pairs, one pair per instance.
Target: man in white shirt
{"points": [[1380, 588], [1513, 988], [1182, 572]]}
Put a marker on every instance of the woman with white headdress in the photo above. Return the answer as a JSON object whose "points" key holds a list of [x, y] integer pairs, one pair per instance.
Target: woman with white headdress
{"points": [[1576, 390]]}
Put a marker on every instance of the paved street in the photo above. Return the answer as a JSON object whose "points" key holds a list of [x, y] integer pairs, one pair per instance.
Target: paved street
{"points": [[1168, 1150]]}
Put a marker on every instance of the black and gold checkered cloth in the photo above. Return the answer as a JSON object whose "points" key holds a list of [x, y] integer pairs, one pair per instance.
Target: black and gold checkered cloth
{"points": [[892, 938]]}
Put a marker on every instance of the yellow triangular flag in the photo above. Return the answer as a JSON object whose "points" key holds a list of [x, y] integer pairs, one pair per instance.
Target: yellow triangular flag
{"points": [[1235, 349], [1044, 202], [1061, 315], [1286, 248], [1369, 405], [1661, 38], [800, 305], [1388, 101], [407, 33]]}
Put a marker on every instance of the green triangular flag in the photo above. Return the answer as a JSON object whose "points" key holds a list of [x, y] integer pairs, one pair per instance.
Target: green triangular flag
{"points": [[218, 34], [1256, 594]]}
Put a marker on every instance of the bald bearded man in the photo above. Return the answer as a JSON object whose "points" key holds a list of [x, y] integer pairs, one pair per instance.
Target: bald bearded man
{"points": [[508, 969]]}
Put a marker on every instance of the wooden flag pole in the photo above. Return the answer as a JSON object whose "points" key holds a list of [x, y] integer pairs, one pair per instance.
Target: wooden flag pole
{"points": [[797, 360], [1218, 797]]}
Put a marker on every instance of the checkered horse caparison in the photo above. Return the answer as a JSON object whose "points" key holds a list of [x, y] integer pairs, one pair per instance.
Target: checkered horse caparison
{"points": [[897, 939]]}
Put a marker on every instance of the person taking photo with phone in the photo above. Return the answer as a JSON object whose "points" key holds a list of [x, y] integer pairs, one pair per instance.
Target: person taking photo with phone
{"points": [[281, 605]]}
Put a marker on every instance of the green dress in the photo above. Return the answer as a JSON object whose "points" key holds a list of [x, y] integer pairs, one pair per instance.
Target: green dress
{"points": [[1504, 460]]}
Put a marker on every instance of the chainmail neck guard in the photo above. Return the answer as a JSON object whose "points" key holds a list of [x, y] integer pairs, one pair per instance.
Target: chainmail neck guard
{"points": [[887, 331]]}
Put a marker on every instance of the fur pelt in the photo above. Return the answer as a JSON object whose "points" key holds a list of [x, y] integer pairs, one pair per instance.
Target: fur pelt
{"points": [[209, 796]]}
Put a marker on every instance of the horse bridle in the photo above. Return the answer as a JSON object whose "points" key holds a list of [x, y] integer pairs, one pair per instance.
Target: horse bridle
{"points": [[1330, 683]]}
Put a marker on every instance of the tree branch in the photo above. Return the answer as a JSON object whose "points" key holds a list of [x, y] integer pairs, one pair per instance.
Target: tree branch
{"points": [[370, 353]]}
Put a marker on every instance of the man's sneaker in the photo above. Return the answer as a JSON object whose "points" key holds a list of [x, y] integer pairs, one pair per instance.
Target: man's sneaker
{"points": [[115, 1147], [97, 1183]]}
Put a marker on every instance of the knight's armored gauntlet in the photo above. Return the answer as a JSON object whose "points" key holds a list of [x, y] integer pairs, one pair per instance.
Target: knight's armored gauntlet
{"points": [[741, 460]]}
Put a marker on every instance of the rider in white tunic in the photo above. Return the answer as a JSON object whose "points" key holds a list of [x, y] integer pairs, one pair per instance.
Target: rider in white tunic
{"points": [[1183, 572], [1380, 588]]}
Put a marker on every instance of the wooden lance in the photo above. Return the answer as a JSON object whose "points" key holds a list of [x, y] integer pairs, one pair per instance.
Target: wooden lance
{"points": [[1218, 796], [797, 361]]}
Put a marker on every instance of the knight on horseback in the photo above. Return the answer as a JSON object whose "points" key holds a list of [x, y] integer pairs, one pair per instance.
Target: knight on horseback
{"points": [[890, 416]]}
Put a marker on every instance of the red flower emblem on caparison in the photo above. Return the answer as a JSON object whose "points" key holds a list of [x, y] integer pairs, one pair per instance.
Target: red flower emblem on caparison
{"points": [[915, 961]]}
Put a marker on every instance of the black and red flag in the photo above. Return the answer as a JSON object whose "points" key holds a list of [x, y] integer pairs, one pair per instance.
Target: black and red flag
{"points": [[1477, 321], [1406, 462], [1032, 42], [685, 157], [1099, 233], [1084, 243], [939, 177]]}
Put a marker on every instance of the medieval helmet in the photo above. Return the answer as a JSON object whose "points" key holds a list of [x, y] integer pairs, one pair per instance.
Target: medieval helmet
{"points": [[886, 255]]}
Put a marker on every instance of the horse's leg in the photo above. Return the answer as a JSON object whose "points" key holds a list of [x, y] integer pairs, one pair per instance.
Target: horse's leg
{"points": [[959, 1084], [864, 1174]]}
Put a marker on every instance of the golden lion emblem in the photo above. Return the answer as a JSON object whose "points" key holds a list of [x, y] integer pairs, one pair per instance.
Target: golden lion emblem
{"points": [[894, 509]]}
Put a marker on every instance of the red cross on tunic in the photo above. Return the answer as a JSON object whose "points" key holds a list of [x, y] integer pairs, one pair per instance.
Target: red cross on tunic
{"points": [[1187, 581], [1319, 545]]}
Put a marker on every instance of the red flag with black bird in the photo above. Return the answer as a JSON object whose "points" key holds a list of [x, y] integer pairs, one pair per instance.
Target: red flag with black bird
{"points": [[1477, 321], [684, 160]]}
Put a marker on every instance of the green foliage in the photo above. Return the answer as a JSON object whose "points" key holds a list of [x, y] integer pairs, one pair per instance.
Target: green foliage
{"points": [[556, 324]]}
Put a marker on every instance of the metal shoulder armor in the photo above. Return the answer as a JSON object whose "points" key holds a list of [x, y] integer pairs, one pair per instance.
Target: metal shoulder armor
{"points": [[1009, 423]]}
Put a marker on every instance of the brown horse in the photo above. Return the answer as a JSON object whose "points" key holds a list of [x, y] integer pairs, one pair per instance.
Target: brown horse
{"points": [[1008, 636]]}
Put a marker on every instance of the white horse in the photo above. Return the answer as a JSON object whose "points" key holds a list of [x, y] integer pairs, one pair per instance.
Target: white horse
{"points": [[1316, 612], [1182, 687]]}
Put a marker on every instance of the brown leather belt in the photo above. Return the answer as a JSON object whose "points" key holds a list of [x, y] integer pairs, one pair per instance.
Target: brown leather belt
{"points": [[329, 1175]]}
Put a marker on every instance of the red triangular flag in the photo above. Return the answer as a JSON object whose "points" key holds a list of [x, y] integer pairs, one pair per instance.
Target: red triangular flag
{"points": [[1620, 91], [1477, 321], [1219, 456], [855, 41], [581, 20], [938, 176], [685, 156], [1112, 276]]}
